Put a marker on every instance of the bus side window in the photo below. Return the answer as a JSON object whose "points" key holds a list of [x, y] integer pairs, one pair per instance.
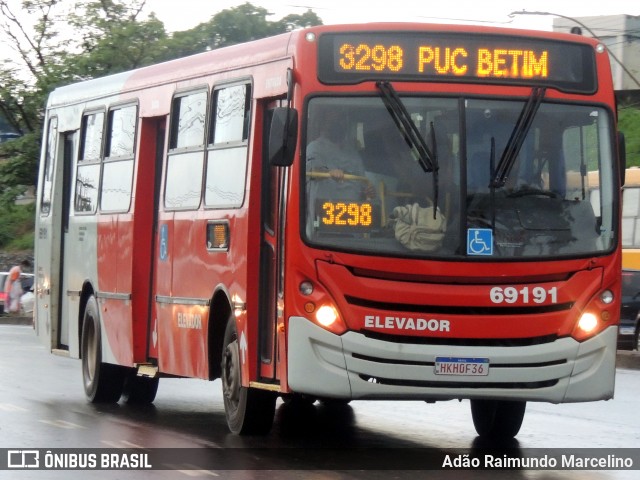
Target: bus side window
{"points": [[49, 166], [186, 151], [117, 174], [228, 147], [88, 175]]}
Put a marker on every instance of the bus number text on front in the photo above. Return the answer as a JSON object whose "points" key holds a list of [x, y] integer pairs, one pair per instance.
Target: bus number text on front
{"points": [[524, 295]]}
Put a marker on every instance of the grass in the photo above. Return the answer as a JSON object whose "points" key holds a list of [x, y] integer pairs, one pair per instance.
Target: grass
{"points": [[17, 227], [629, 124]]}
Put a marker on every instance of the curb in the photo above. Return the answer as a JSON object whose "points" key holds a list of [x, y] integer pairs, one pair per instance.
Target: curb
{"points": [[629, 359], [7, 319]]}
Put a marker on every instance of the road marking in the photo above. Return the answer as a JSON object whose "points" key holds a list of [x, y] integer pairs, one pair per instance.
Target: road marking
{"points": [[62, 424], [10, 407], [121, 444], [190, 473]]}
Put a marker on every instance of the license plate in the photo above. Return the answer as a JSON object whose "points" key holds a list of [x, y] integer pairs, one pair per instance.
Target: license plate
{"points": [[627, 330], [462, 366]]}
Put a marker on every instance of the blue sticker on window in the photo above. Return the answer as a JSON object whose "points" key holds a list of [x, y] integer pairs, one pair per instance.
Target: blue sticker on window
{"points": [[479, 241], [164, 242]]}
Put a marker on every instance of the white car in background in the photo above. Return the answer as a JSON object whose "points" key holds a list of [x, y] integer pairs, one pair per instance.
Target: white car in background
{"points": [[27, 299]]}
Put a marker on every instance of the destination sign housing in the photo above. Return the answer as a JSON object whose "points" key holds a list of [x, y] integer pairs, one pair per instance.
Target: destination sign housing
{"points": [[357, 57]]}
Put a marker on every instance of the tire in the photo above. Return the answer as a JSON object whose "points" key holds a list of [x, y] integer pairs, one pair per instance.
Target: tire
{"points": [[335, 402], [636, 339], [103, 382], [296, 400], [497, 419], [248, 410], [139, 390]]}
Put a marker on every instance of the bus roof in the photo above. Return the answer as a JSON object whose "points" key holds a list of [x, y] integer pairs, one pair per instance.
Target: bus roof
{"points": [[256, 52], [180, 69]]}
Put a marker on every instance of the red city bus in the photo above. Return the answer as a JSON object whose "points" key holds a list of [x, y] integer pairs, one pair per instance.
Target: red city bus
{"points": [[393, 211]]}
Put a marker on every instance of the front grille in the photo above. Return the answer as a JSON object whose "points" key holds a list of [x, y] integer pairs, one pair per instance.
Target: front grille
{"points": [[393, 361], [463, 342], [484, 385], [458, 309]]}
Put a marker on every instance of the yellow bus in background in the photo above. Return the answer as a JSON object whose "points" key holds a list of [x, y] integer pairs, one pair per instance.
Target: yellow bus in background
{"points": [[631, 220]]}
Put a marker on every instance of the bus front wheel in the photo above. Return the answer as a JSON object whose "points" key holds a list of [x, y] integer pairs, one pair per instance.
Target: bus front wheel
{"points": [[248, 410], [497, 419], [103, 382]]}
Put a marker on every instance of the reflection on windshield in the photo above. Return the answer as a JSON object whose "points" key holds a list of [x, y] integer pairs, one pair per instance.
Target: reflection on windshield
{"points": [[367, 192]]}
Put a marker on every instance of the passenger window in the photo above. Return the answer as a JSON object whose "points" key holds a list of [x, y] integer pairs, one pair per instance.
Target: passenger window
{"points": [[49, 166], [185, 162], [228, 142], [117, 171], [121, 132], [187, 120], [88, 173]]}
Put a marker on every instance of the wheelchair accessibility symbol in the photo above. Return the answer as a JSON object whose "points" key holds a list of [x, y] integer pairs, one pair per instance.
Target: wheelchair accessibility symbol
{"points": [[164, 242], [479, 241]]}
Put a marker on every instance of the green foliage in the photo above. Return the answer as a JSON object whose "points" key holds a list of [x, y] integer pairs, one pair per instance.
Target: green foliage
{"points": [[113, 39], [17, 227], [629, 124], [235, 25], [19, 167], [109, 37]]}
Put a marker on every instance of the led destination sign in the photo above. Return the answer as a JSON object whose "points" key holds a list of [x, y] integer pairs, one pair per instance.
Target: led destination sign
{"points": [[347, 215], [358, 57]]}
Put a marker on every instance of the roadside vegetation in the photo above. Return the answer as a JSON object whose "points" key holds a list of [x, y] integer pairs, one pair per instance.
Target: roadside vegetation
{"points": [[112, 36], [629, 124], [16, 233], [109, 36]]}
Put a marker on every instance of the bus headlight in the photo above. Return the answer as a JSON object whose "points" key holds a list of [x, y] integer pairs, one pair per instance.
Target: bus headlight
{"points": [[598, 315], [607, 297], [327, 317], [588, 322]]}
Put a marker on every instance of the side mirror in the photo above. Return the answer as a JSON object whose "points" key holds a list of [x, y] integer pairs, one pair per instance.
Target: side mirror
{"points": [[282, 136], [622, 157]]}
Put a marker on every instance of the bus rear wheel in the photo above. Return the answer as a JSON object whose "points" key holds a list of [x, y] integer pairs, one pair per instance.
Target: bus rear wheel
{"points": [[497, 419], [248, 410], [139, 390], [103, 382]]}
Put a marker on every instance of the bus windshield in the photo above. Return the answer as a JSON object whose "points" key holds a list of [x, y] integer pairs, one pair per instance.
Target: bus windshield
{"points": [[367, 191]]}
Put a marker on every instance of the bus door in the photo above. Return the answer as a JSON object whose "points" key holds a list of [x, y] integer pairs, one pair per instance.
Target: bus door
{"points": [[154, 131], [55, 203], [274, 183], [63, 305]]}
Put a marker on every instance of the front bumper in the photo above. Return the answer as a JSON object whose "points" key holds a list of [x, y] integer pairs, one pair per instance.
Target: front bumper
{"points": [[353, 366]]}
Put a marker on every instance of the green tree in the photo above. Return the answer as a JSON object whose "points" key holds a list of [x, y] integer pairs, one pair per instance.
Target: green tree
{"points": [[109, 36], [239, 24], [113, 38], [629, 124]]}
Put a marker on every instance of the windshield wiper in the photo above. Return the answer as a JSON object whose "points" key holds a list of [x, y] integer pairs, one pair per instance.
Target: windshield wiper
{"points": [[518, 134], [426, 158], [410, 132]]}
